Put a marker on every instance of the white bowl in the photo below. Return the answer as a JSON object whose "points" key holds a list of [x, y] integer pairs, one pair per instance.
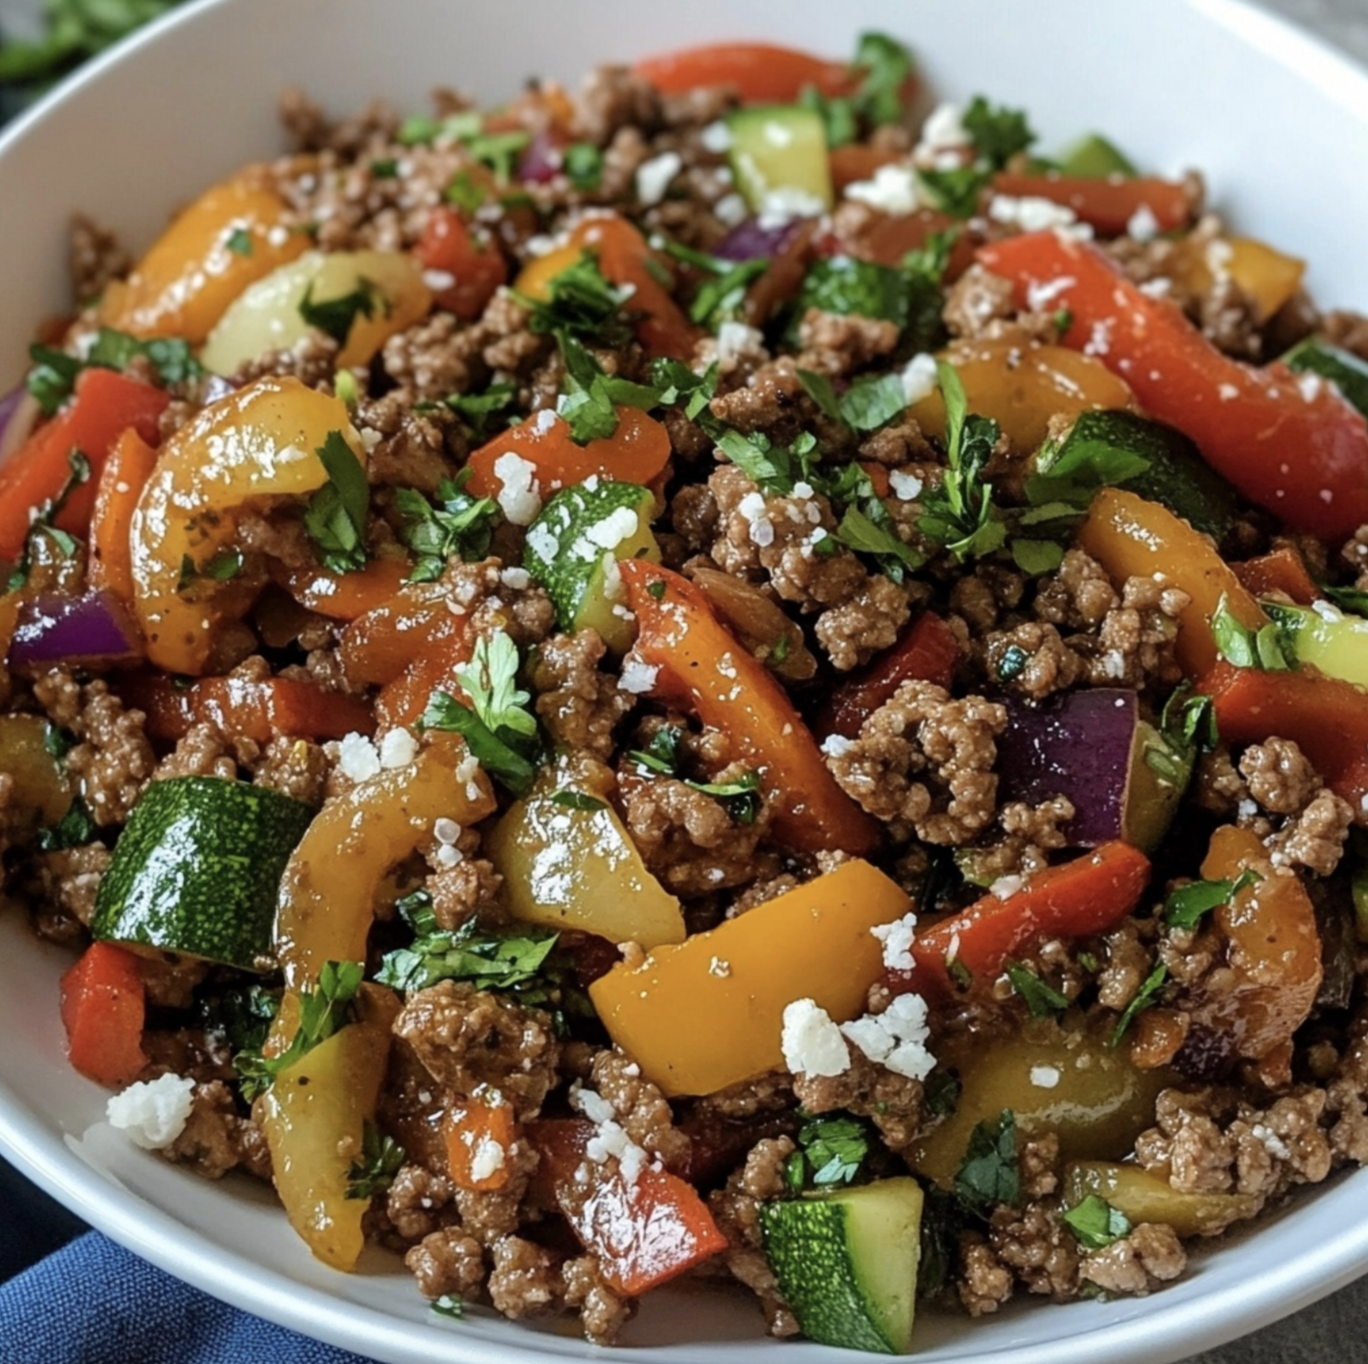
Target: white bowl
{"points": [[1278, 124]]}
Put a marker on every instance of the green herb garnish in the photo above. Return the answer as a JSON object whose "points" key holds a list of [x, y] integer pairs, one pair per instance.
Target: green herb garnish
{"points": [[335, 517], [1260, 649], [1095, 1223], [1188, 905], [457, 526], [1042, 999], [381, 1159], [989, 1174], [336, 316]]}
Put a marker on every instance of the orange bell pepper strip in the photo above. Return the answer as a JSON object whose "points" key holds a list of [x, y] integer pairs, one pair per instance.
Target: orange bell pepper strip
{"points": [[1296, 448], [645, 1231], [1088, 895], [929, 651], [701, 665], [346, 596], [857, 161], [415, 624], [104, 404], [104, 1007], [1280, 570], [127, 469], [403, 701], [761, 73], [477, 269], [471, 1131], [1327, 718], [637, 452], [1133, 537], [1107, 204]]}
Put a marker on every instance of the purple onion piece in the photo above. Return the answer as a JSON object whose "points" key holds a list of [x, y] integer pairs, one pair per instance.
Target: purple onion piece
{"points": [[541, 160], [1078, 746], [749, 240], [18, 411], [93, 631]]}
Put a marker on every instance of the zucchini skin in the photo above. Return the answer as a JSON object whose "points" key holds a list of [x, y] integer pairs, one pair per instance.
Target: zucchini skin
{"points": [[197, 870]]}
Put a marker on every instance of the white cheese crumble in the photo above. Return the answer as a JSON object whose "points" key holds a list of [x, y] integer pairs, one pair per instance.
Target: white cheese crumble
{"points": [[487, 1158], [653, 177], [811, 1042], [437, 280], [448, 856], [519, 498], [617, 526], [1044, 1077], [718, 967], [781, 206], [897, 942], [397, 749], [153, 1112], [542, 542], [446, 831], [609, 1140], [357, 759], [1143, 225], [1041, 293], [1032, 213], [893, 189], [944, 130], [1005, 887], [731, 210], [834, 745], [637, 678], [735, 339], [896, 1038], [516, 578], [716, 138], [919, 378], [1273, 1143], [906, 487]]}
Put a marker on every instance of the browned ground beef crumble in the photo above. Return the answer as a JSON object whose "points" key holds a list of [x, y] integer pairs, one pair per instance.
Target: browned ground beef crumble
{"points": [[923, 763]]}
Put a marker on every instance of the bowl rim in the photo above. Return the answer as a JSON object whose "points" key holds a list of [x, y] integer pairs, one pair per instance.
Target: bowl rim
{"points": [[1173, 1328]]}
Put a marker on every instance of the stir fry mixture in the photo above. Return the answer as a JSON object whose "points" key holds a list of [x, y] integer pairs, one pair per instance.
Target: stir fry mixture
{"points": [[718, 677]]}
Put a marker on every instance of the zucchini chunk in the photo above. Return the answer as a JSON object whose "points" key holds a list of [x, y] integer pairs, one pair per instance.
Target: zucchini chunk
{"points": [[1343, 367], [779, 159], [197, 870], [1331, 639], [847, 1262]]}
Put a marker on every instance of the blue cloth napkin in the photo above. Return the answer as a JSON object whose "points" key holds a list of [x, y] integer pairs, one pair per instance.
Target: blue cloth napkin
{"points": [[89, 1301]]}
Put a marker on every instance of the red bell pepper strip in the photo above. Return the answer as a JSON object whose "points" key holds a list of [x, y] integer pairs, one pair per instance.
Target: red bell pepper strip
{"points": [[644, 1232], [700, 665], [927, 652], [1296, 448], [448, 247], [103, 405], [104, 1006], [761, 73], [1105, 203], [1088, 895], [628, 261], [1327, 718], [237, 705], [402, 701], [1280, 570]]}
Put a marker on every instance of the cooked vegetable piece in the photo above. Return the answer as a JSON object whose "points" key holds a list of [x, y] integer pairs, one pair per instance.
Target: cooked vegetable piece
{"points": [[359, 298], [346, 596], [1095, 157], [1132, 537], [328, 892], [700, 664], [1090, 747], [414, 623], [644, 1231], [41, 792], [757, 71], [477, 269], [573, 547], [708, 1013], [260, 441], [847, 1262], [1106, 203], [1145, 1197], [1054, 1078], [779, 154], [845, 285], [479, 1134], [197, 869], [103, 1010], [230, 237], [1346, 370], [1324, 637], [1246, 421], [1280, 570], [1268, 278], [125, 473], [1088, 895]]}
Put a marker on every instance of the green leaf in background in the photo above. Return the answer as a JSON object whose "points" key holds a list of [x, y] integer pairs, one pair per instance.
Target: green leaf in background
{"points": [[75, 30]]}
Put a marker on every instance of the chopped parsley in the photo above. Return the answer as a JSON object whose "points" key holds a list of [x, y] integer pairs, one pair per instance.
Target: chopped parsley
{"points": [[830, 1151], [1188, 905], [58, 742], [419, 128], [1095, 1223], [1042, 999], [336, 316], [871, 402], [53, 376], [222, 568], [1260, 649], [499, 151], [723, 292], [1071, 470], [457, 526], [240, 1016], [479, 408], [997, 132], [578, 800], [887, 66], [990, 1174], [465, 192], [42, 524], [664, 756], [385, 168], [582, 163], [239, 242], [679, 386], [591, 396], [381, 1159], [323, 1011], [449, 1305], [583, 305], [75, 829], [836, 112], [1187, 727], [1351, 599], [335, 517], [1145, 996]]}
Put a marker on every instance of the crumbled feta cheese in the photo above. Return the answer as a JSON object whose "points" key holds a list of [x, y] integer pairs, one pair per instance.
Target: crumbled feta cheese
{"points": [[735, 339], [1006, 886], [519, 498], [1309, 386], [653, 177], [1143, 225], [609, 1140], [906, 487], [487, 1158], [446, 831], [718, 967], [893, 189], [716, 138], [1099, 341], [783, 205], [1042, 293], [834, 745], [811, 1042], [731, 210], [1246, 809], [944, 129], [516, 578], [897, 942], [896, 1038], [752, 505], [397, 749], [919, 378], [437, 280], [447, 856], [1228, 393], [357, 759], [1031, 213], [544, 421], [153, 1112], [1273, 1143], [1044, 1077], [543, 543], [617, 526], [637, 678]]}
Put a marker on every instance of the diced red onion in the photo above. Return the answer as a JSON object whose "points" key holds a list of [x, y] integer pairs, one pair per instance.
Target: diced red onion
{"points": [[18, 411], [93, 631], [749, 240], [541, 160]]}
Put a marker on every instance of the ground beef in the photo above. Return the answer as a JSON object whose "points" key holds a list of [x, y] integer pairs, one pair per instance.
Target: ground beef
{"points": [[1282, 780], [420, 1206], [170, 980], [580, 705], [483, 593], [70, 880], [525, 1280], [762, 1094], [447, 1262], [312, 360], [838, 344], [201, 752], [1078, 595], [297, 768], [613, 98], [1315, 837], [640, 1107], [96, 258], [1039, 1250], [892, 1102], [1029, 834], [217, 1139], [1050, 664], [871, 621], [1137, 1264], [466, 891], [976, 300], [925, 760], [467, 1038], [603, 1312]]}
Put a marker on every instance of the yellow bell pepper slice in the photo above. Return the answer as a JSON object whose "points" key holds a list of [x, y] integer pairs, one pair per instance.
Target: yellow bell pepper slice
{"points": [[708, 1013], [230, 237], [1266, 276], [1132, 537], [1144, 1196]]}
